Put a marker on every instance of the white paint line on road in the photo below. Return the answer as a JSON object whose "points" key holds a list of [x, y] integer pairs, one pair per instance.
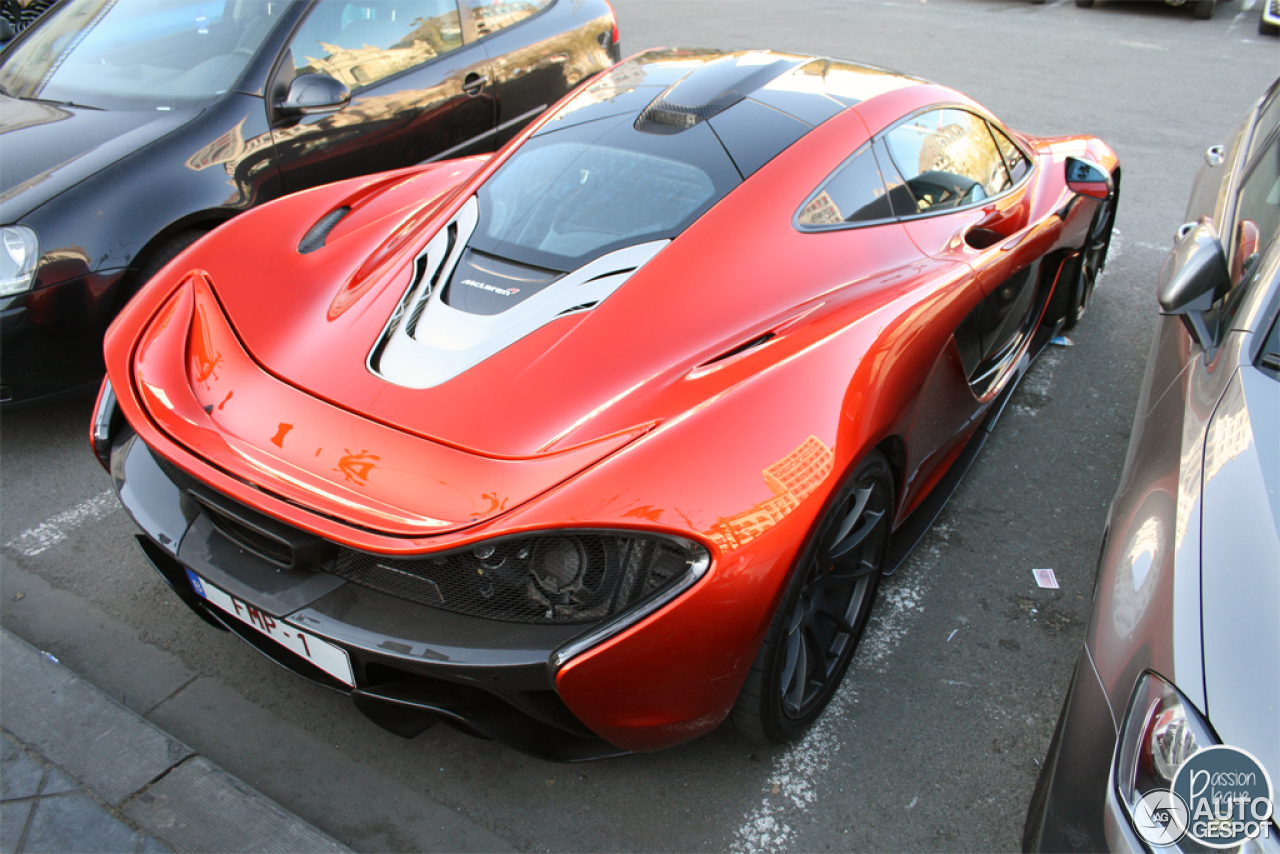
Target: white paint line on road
{"points": [[55, 529], [792, 788]]}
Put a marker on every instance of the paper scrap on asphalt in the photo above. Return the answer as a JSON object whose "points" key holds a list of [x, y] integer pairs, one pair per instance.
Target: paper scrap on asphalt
{"points": [[1045, 578]]}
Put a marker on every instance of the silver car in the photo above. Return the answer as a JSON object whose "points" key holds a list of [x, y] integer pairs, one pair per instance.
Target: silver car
{"points": [[1183, 649]]}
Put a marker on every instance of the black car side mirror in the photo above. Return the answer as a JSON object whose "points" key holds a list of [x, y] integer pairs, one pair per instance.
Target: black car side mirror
{"points": [[1194, 276], [312, 94], [1089, 179]]}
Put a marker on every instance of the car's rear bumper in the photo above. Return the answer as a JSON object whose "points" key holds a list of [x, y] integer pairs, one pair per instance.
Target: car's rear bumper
{"points": [[413, 665]]}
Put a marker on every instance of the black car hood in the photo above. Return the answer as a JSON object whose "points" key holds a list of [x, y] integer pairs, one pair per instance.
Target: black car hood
{"points": [[48, 148]]}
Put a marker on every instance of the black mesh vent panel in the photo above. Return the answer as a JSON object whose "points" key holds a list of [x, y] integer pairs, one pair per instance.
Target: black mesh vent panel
{"points": [[663, 117], [547, 579]]}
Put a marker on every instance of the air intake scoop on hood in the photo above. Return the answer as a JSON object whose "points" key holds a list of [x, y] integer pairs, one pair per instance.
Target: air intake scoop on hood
{"points": [[710, 90]]}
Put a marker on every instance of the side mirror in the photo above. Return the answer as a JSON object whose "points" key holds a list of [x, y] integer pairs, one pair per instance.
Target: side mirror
{"points": [[1089, 179], [312, 94], [1194, 276]]}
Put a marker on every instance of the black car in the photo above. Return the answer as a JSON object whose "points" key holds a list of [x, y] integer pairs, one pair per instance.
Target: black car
{"points": [[130, 129]]}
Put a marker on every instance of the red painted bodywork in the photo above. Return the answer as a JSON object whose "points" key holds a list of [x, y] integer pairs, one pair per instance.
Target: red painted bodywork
{"points": [[606, 418]]}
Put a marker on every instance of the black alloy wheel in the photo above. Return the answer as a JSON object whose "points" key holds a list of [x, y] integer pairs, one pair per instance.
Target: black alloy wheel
{"points": [[1092, 260], [823, 612]]}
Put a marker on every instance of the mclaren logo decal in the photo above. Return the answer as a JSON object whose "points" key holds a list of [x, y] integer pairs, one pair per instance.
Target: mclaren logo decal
{"points": [[506, 292]]}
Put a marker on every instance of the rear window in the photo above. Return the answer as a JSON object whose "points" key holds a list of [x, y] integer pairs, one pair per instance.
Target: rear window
{"points": [[856, 193], [568, 197]]}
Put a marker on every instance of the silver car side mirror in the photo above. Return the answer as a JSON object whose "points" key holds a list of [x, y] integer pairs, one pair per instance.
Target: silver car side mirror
{"points": [[1194, 276]]}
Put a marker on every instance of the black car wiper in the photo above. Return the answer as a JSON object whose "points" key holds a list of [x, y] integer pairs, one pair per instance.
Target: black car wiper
{"points": [[50, 101]]}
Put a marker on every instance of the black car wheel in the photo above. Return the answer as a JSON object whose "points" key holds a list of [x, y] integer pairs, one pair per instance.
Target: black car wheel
{"points": [[162, 255], [1080, 278], [1265, 29], [1084, 4], [823, 612], [1204, 9]]}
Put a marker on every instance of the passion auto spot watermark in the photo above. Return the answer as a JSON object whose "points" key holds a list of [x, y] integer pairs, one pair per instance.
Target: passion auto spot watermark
{"points": [[1227, 796], [1221, 797]]}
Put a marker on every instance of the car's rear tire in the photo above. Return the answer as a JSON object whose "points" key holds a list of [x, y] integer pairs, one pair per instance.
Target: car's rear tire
{"points": [[162, 255], [1265, 29], [823, 611], [1084, 4], [1076, 284], [1204, 9]]}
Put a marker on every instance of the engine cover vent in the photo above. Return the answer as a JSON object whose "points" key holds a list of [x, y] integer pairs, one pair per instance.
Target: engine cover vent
{"points": [[443, 340]]}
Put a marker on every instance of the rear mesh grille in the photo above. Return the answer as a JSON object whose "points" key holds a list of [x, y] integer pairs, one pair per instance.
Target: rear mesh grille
{"points": [[564, 578], [547, 579]]}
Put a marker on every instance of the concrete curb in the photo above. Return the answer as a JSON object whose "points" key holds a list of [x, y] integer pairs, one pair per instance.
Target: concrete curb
{"points": [[143, 775]]}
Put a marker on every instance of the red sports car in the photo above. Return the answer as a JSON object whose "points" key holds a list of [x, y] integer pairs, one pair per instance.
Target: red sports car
{"points": [[591, 444]]}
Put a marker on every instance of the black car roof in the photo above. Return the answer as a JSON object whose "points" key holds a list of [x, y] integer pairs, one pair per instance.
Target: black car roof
{"points": [[643, 152], [757, 102]]}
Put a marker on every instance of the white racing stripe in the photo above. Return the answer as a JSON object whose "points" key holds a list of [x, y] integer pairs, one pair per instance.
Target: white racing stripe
{"points": [[55, 529]]}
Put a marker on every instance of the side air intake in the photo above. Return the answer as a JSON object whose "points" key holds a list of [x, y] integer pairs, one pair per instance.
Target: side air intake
{"points": [[315, 238]]}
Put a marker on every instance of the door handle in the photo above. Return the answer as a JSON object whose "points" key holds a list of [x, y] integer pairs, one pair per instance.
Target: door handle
{"points": [[474, 84]]}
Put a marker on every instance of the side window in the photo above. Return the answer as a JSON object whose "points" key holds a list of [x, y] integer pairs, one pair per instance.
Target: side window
{"points": [[493, 15], [361, 43], [1013, 156], [1268, 119], [948, 158], [1260, 194], [856, 193]]}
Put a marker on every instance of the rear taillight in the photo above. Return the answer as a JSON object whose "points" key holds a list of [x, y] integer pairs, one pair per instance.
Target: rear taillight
{"points": [[105, 417]]}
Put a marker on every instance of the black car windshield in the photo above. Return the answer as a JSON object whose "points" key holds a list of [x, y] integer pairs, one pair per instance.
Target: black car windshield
{"points": [[137, 54], [568, 197]]}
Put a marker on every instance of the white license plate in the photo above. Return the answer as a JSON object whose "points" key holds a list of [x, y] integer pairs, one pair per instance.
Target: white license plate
{"points": [[328, 657]]}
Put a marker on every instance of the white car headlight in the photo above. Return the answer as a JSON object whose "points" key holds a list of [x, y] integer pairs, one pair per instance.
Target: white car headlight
{"points": [[19, 252], [1161, 731]]}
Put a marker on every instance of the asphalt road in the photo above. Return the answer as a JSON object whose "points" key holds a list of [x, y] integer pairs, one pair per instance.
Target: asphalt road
{"points": [[934, 741]]}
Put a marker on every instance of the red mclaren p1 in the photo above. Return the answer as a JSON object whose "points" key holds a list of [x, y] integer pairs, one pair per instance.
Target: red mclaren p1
{"points": [[591, 444]]}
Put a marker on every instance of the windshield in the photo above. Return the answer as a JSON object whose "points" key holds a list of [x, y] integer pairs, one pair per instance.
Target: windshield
{"points": [[137, 54], [573, 195]]}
